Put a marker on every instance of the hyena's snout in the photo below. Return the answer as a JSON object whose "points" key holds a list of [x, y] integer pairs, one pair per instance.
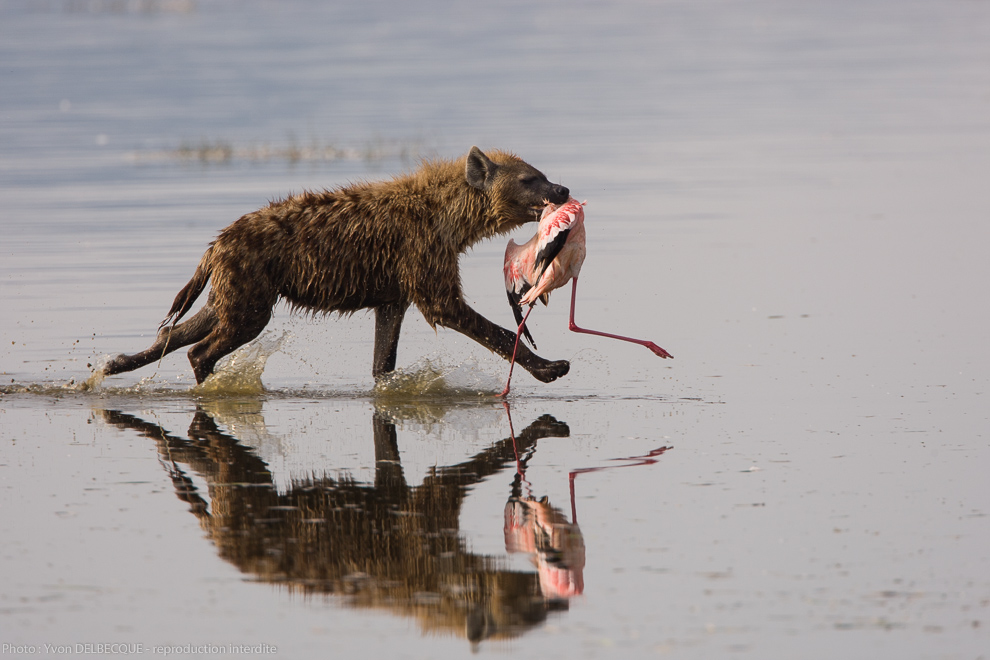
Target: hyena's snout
{"points": [[558, 194]]}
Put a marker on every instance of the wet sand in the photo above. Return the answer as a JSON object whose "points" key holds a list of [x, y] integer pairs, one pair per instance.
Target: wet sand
{"points": [[789, 200]]}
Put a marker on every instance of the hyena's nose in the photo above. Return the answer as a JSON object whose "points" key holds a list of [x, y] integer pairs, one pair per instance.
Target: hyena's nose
{"points": [[563, 193]]}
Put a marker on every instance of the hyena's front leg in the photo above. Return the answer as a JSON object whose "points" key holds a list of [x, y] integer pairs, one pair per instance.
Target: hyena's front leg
{"points": [[388, 322], [461, 317]]}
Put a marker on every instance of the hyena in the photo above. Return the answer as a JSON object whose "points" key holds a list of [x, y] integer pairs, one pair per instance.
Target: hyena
{"points": [[382, 245]]}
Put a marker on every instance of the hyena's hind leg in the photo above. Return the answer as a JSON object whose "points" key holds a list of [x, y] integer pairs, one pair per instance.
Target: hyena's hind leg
{"points": [[225, 338], [170, 338]]}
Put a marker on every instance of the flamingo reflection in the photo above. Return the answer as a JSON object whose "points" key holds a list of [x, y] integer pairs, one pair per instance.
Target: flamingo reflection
{"points": [[554, 543]]}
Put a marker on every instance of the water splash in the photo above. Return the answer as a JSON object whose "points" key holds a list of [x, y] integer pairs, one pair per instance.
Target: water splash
{"points": [[427, 384], [94, 381], [432, 379], [240, 372], [430, 393]]}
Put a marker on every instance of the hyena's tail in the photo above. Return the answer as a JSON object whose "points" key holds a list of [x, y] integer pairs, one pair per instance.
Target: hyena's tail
{"points": [[190, 292]]}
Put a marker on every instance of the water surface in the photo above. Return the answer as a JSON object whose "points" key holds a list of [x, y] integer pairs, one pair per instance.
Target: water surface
{"points": [[790, 199]]}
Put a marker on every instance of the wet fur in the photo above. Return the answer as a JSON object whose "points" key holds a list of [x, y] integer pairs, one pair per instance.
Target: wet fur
{"points": [[384, 245]]}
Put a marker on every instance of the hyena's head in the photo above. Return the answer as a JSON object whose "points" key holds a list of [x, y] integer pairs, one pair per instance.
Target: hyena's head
{"points": [[517, 191]]}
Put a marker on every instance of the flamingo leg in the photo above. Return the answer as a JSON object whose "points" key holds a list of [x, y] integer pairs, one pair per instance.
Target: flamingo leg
{"points": [[574, 328], [570, 480], [515, 448], [512, 363]]}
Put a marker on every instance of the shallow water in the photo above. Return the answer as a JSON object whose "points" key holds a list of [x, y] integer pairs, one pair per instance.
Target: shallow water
{"points": [[790, 199]]}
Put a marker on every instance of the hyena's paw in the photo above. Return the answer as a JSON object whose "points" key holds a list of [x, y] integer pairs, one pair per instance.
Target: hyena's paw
{"points": [[551, 371]]}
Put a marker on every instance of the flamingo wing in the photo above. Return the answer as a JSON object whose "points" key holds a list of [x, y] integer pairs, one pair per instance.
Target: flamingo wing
{"points": [[553, 233]]}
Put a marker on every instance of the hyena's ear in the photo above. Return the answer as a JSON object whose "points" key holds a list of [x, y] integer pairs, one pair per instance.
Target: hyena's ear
{"points": [[480, 170]]}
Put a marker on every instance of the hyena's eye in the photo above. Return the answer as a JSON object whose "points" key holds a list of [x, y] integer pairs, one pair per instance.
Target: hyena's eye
{"points": [[528, 180]]}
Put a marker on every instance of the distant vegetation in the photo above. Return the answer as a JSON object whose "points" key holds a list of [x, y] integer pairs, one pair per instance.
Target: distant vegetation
{"points": [[119, 6], [222, 152]]}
